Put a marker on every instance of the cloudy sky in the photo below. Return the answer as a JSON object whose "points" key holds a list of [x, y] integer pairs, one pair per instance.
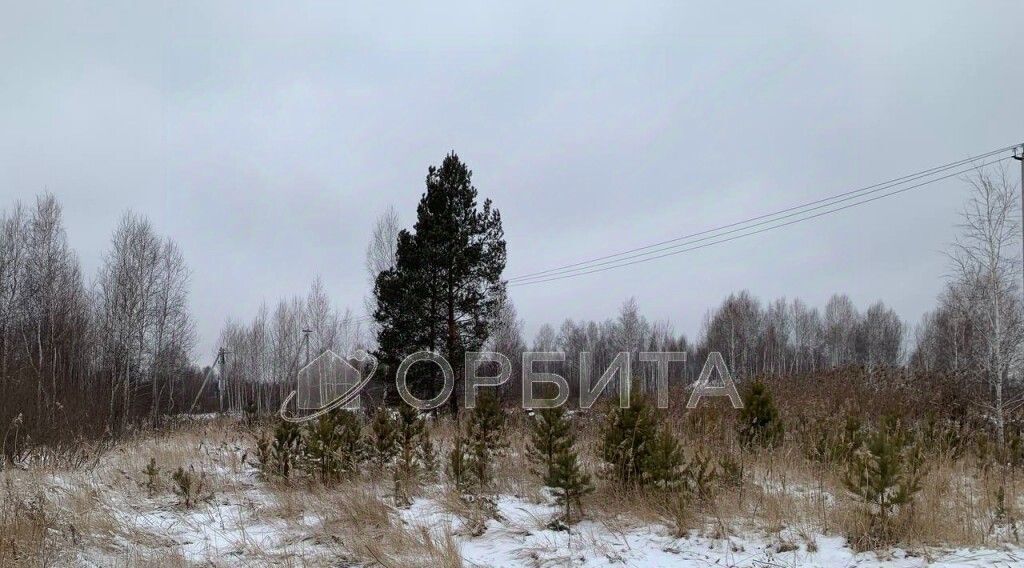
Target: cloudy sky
{"points": [[266, 139]]}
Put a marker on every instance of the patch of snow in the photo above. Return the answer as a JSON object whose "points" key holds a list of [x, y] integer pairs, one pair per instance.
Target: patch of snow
{"points": [[520, 537]]}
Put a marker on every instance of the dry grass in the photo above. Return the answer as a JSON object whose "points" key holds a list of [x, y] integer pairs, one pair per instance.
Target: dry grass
{"points": [[784, 494], [54, 513]]}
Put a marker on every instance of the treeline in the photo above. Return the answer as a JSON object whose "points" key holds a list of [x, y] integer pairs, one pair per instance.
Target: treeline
{"points": [[86, 359], [780, 338], [784, 337], [436, 286], [265, 354], [81, 359]]}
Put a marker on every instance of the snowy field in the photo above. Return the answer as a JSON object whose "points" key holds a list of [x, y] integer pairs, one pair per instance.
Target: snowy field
{"points": [[102, 514], [229, 533]]}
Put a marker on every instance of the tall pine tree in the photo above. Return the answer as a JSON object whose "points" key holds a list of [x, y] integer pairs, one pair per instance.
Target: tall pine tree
{"points": [[444, 291]]}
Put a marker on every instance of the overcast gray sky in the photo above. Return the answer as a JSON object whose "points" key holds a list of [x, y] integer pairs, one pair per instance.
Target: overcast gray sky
{"points": [[266, 139]]}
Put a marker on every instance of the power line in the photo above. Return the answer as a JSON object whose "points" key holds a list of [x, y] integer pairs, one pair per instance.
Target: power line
{"points": [[352, 321], [767, 222], [628, 261], [746, 223]]}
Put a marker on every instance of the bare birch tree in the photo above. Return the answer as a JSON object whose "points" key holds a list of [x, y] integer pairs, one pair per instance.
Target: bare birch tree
{"points": [[841, 320], [145, 327], [986, 264], [381, 254]]}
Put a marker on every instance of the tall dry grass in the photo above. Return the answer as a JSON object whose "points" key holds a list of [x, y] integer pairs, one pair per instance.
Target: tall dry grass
{"points": [[58, 509]]}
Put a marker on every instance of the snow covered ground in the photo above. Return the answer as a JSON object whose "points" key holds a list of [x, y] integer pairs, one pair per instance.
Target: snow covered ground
{"points": [[105, 516], [226, 533], [520, 537]]}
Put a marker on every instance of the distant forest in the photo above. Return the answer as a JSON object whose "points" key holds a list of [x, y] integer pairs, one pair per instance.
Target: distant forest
{"points": [[94, 355]]}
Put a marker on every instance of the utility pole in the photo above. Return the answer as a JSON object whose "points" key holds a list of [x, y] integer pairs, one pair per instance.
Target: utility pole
{"points": [[1020, 158], [221, 383], [305, 339]]}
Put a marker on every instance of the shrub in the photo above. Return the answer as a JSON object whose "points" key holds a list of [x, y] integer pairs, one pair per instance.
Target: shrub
{"points": [[639, 448], [732, 470], [942, 436], [853, 436], [549, 435], [333, 445], [484, 435], [457, 468], [826, 442], [663, 462], [568, 480], [679, 510], [277, 455], [384, 437], [251, 415], [414, 448], [426, 453], [152, 473], [552, 449], [700, 476], [190, 487], [626, 437], [984, 452], [1014, 452], [885, 474], [759, 421]]}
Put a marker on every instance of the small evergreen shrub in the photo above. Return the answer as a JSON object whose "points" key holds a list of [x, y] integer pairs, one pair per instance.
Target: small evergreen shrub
{"points": [[984, 452], [662, 465], [943, 436], [569, 481], [333, 446], [152, 473], [627, 435], [701, 477], [251, 414], [278, 455], [852, 438], [190, 487], [384, 438], [885, 474], [1004, 514], [639, 448], [731, 471], [414, 452], [552, 449], [759, 422], [414, 449], [1014, 451], [827, 441], [484, 436], [457, 469], [427, 454], [549, 435]]}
